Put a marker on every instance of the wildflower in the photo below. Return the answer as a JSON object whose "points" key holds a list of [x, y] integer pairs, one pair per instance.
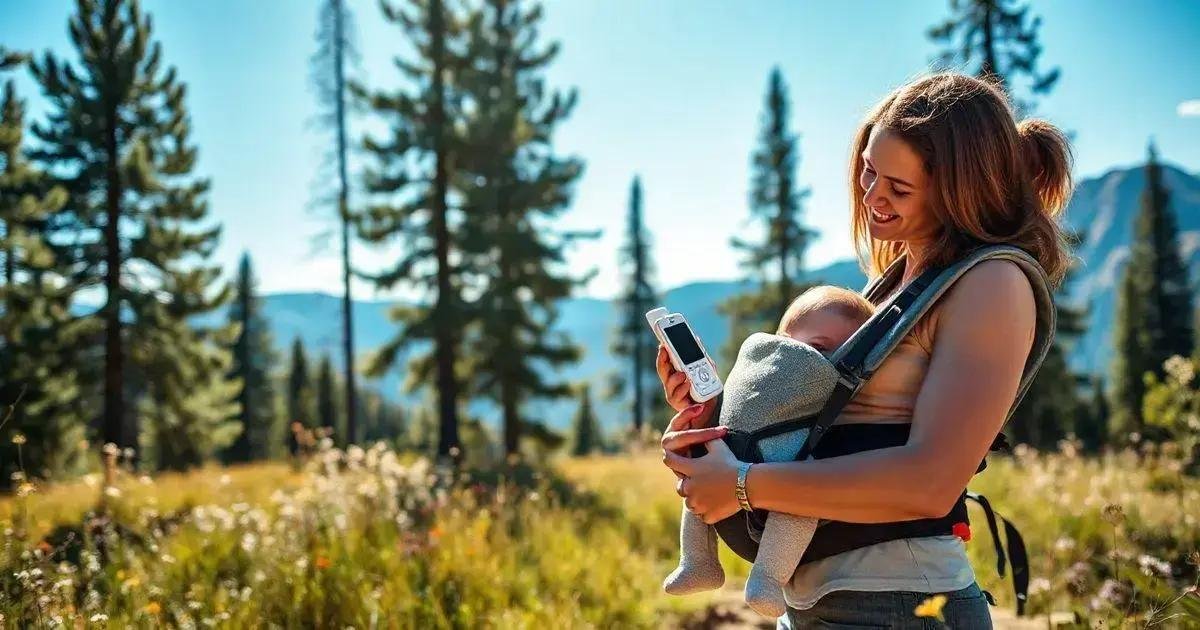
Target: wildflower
{"points": [[1064, 544], [18, 476], [1151, 565], [1039, 585], [931, 607], [322, 562], [1113, 514], [153, 608], [18, 439], [112, 491], [25, 489], [44, 546], [96, 618]]}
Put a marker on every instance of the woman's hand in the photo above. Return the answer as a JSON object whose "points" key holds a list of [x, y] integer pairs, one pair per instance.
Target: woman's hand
{"points": [[707, 483], [675, 383]]}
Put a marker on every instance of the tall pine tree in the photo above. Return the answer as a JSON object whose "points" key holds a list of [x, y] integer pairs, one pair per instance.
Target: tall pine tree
{"points": [[776, 201], [117, 136], [336, 50], [586, 430], [253, 356], [39, 338], [514, 186], [301, 397], [327, 412], [998, 40], [1154, 303], [409, 176], [632, 341]]}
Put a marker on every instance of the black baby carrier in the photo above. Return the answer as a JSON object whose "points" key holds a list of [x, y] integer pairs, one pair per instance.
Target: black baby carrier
{"points": [[856, 361]]}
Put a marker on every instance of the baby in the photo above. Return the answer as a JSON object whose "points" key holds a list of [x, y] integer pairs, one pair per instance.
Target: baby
{"points": [[824, 317], [776, 378]]}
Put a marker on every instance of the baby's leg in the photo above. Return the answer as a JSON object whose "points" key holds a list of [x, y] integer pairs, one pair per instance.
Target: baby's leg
{"points": [[699, 569], [784, 540]]}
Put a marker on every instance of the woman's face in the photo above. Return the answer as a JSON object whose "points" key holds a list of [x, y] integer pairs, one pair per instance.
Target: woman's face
{"points": [[896, 189]]}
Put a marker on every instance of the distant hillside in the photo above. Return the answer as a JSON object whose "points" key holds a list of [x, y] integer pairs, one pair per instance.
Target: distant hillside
{"points": [[315, 317]]}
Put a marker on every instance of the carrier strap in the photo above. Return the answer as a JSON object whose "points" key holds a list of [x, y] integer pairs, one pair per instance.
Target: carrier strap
{"points": [[1018, 556]]}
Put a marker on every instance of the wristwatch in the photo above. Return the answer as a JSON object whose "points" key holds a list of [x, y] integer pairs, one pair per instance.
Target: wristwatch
{"points": [[740, 488]]}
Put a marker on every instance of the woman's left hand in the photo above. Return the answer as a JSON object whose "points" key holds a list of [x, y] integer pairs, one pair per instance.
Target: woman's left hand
{"points": [[708, 481]]}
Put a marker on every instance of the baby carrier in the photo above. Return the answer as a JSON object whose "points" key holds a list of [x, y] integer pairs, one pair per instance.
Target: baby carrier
{"points": [[856, 361]]}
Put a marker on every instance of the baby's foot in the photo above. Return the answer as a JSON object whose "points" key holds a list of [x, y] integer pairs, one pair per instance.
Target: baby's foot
{"points": [[765, 595], [693, 578]]}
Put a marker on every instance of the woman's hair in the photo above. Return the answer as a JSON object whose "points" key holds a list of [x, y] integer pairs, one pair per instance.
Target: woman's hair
{"points": [[991, 179], [844, 302]]}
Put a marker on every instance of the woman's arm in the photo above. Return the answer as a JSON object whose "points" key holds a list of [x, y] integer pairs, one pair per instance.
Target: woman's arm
{"points": [[983, 337]]}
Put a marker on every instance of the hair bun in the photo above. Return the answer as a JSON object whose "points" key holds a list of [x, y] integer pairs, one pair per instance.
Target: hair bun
{"points": [[1046, 154]]}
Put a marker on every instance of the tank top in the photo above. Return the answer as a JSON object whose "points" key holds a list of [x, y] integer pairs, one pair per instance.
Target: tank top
{"points": [[924, 565]]}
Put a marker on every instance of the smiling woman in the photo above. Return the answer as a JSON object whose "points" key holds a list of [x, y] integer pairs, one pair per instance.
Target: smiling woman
{"points": [[940, 168]]}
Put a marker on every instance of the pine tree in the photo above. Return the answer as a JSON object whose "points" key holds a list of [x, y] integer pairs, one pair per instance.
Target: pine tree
{"points": [[1154, 305], [39, 375], [514, 186], [336, 49], [1092, 427], [996, 35], [410, 172], [327, 413], [301, 398], [776, 200], [253, 356], [632, 340], [117, 136], [586, 429]]}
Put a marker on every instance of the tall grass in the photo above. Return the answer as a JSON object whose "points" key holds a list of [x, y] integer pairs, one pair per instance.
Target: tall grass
{"points": [[372, 539]]}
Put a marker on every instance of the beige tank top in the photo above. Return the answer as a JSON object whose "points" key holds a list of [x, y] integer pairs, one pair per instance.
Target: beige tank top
{"points": [[925, 565]]}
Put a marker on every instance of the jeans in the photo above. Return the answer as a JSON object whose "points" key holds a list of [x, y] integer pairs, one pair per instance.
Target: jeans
{"points": [[965, 609]]}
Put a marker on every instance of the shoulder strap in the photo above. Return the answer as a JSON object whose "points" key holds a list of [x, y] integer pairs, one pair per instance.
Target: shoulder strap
{"points": [[858, 358]]}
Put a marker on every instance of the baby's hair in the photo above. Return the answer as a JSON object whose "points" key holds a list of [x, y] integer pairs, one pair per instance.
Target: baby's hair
{"points": [[844, 302]]}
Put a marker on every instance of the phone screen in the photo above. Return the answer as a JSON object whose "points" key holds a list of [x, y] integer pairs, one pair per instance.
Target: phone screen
{"points": [[684, 343]]}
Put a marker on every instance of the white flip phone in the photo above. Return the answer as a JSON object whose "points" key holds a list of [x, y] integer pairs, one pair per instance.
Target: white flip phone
{"points": [[686, 351]]}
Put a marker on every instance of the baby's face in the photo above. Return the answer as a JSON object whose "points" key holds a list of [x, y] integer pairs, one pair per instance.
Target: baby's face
{"points": [[824, 329]]}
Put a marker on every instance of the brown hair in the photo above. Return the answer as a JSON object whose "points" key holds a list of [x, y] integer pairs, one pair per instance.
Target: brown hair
{"points": [[992, 180], [844, 302]]}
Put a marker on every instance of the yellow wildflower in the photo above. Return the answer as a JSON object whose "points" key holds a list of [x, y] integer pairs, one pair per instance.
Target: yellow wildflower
{"points": [[153, 608], [18, 439], [931, 607]]}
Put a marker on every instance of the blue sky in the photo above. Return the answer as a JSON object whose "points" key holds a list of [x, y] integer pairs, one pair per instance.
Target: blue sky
{"points": [[670, 90]]}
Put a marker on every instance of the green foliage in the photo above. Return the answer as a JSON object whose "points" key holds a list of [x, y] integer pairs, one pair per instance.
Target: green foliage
{"points": [[586, 431], [1154, 305], [408, 175], [336, 49], [1172, 405], [327, 400], [117, 136], [301, 394], [776, 201], [40, 359], [262, 433], [998, 38], [513, 187], [632, 339]]}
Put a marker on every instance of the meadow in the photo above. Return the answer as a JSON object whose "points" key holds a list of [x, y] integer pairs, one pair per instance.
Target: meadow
{"points": [[378, 539]]}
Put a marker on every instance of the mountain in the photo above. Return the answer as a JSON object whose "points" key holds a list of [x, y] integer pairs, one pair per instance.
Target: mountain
{"points": [[315, 318], [1103, 210]]}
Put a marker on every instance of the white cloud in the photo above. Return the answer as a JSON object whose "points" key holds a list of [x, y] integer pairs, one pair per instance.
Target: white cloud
{"points": [[1189, 108]]}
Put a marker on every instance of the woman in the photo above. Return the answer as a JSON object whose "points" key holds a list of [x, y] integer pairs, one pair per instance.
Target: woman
{"points": [[938, 167]]}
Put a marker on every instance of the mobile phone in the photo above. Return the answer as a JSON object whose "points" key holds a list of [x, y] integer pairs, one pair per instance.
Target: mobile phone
{"points": [[686, 351]]}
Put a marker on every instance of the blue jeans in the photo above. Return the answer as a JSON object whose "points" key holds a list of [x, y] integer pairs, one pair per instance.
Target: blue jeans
{"points": [[965, 609]]}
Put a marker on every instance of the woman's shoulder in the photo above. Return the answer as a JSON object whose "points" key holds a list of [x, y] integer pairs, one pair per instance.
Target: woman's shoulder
{"points": [[992, 292]]}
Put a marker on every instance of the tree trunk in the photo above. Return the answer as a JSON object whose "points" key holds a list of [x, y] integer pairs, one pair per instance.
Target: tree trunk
{"points": [[114, 358], [344, 214]]}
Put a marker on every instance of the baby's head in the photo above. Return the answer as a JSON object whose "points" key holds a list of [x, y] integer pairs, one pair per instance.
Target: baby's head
{"points": [[824, 317]]}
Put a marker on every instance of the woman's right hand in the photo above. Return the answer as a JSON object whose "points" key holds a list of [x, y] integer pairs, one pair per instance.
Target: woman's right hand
{"points": [[675, 383]]}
